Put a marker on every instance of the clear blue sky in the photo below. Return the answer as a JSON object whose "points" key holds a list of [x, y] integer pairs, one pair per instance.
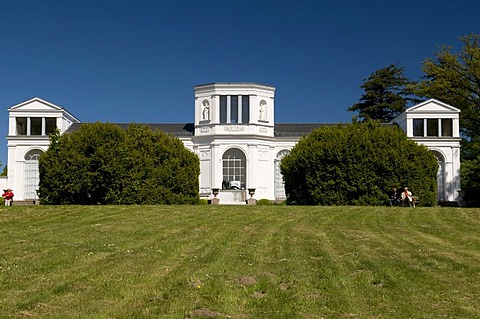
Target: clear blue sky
{"points": [[138, 61]]}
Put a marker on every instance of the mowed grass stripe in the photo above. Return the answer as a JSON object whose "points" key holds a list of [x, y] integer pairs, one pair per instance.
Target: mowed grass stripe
{"points": [[239, 262]]}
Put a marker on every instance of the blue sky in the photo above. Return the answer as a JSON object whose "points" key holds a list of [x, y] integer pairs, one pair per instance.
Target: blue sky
{"points": [[138, 61]]}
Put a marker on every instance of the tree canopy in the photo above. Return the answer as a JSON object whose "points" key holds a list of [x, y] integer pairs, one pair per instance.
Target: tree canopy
{"points": [[103, 164], [357, 164], [387, 94], [454, 78]]}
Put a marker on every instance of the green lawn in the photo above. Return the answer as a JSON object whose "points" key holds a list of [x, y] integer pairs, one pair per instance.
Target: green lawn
{"points": [[239, 262]]}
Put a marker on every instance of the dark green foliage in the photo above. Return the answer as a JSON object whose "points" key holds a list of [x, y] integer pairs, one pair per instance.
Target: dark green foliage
{"points": [[203, 201], [4, 171], [357, 164], [454, 78], [103, 164], [387, 93], [264, 201], [470, 173]]}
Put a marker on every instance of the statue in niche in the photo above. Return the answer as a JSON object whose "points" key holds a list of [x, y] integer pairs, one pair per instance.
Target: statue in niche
{"points": [[263, 111], [205, 110]]}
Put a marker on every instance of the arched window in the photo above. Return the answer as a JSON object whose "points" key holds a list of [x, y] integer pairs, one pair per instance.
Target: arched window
{"points": [[279, 184], [234, 169], [440, 176], [32, 175]]}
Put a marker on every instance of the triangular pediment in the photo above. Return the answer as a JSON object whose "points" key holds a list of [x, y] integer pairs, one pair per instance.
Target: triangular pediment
{"points": [[432, 106], [35, 104]]}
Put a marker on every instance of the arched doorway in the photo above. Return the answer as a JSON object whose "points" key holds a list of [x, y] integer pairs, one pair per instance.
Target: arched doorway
{"points": [[31, 173], [234, 169], [279, 184], [440, 176]]}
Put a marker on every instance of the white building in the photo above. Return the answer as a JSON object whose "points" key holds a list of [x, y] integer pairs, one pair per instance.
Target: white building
{"points": [[235, 137]]}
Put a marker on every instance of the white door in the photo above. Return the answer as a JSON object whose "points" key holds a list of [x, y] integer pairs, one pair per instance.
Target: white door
{"points": [[32, 175]]}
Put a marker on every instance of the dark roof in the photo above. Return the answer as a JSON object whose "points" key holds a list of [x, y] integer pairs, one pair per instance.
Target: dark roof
{"points": [[177, 129], [187, 129], [297, 129]]}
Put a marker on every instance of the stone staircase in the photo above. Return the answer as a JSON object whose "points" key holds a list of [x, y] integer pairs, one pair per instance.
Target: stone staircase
{"points": [[26, 202]]}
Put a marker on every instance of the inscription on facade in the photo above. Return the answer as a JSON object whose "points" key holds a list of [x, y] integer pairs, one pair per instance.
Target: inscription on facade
{"points": [[204, 129], [234, 128], [263, 130]]}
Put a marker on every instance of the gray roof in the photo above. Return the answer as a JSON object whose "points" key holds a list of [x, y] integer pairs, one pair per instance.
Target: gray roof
{"points": [[177, 129], [187, 129]]}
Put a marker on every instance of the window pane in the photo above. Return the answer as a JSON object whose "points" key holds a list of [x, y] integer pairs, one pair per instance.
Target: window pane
{"points": [[447, 129], [234, 109], [51, 125], [234, 163], [418, 127], [223, 109], [245, 109], [35, 126], [21, 125], [432, 127]]}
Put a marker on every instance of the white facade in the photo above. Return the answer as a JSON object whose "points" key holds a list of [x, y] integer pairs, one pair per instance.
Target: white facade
{"points": [[235, 137], [29, 124], [436, 125]]}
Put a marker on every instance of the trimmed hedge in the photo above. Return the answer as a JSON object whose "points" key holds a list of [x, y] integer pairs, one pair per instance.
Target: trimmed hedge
{"points": [[103, 164], [357, 164]]}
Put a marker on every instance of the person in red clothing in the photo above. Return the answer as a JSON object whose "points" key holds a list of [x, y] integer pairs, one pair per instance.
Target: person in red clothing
{"points": [[8, 196]]}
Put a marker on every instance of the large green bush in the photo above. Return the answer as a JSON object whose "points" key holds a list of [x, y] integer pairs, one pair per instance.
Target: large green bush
{"points": [[103, 164], [357, 164]]}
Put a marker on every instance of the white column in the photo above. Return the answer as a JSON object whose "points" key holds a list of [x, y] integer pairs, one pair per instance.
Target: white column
{"points": [[29, 125], [240, 109], [215, 109], [229, 104], [44, 125]]}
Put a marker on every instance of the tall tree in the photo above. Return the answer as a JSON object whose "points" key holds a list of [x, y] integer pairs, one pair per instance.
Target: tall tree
{"points": [[454, 78], [387, 94]]}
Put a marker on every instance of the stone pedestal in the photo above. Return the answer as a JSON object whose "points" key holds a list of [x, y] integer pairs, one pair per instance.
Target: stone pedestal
{"points": [[215, 201], [251, 201]]}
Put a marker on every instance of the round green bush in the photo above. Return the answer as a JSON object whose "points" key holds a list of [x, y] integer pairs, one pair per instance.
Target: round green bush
{"points": [[357, 164]]}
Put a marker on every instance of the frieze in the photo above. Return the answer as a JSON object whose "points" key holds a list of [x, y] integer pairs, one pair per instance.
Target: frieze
{"points": [[234, 128]]}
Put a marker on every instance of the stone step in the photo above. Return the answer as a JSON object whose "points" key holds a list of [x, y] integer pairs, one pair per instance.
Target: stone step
{"points": [[26, 202]]}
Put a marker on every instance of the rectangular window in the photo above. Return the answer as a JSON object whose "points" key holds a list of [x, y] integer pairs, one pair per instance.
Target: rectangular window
{"points": [[50, 125], [35, 126], [245, 109], [234, 109], [21, 125], [223, 109], [418, 127], [432, 127], [447, 127]]}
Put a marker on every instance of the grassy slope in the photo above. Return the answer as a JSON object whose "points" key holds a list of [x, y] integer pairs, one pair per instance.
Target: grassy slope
{"points": [[239, 262]]}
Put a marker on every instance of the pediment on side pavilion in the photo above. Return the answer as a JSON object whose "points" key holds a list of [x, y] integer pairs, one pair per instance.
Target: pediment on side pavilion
{"points": [[432, 106], [36, 104]]}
